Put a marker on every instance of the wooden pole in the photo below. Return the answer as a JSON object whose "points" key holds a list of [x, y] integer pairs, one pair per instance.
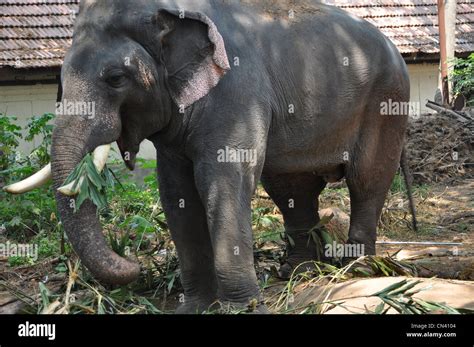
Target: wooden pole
{"points": [[450, 21], [443, 51]]}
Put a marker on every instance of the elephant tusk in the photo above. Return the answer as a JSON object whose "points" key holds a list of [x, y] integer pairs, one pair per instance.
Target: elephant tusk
{"points": [[99, 157], [35, 181]]}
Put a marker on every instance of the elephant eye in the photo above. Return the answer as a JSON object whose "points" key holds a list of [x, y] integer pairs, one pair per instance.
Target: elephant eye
{"points": [[116, 80]]}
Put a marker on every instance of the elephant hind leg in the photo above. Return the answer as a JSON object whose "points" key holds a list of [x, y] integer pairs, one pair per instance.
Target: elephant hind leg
{"points": [[366, 208], [296, 195], [369, 181]]}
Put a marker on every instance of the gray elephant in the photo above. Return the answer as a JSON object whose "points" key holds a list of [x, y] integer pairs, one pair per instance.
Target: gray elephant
{"points": [[231, 93]]}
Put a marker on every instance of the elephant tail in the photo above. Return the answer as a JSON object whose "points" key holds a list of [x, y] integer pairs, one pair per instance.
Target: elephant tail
{"points": [[406, 176]]}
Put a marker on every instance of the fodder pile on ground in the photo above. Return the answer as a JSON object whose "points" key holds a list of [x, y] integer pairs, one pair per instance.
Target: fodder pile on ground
{"points": [[440, 148]]}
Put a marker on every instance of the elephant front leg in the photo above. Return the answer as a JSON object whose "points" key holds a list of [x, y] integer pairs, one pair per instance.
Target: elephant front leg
{"points": [[226, 191], [186, 219]]}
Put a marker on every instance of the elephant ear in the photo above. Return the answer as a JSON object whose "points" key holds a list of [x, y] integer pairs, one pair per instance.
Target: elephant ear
{"points": [[193, 54]]}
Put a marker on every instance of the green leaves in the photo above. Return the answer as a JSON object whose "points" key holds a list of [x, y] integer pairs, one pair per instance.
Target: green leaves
{"points": [[10, 134], [320, 236], [39, 125], [45, 296], [15, 221], [119, 244], [139, 224], [396, 288], [380, 309], [262, 219], [399, 296], [383, 266], [93, 184], [462, 78], [14, 165]]}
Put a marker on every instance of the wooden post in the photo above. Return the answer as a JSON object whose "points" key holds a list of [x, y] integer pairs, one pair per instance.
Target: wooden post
{"points": [[447, 10], [450, 20], [443, 51]]}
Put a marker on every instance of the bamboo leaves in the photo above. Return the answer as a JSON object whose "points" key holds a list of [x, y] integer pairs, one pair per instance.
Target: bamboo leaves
{"points": [[399, 296], [92, 183], [320, 236]]}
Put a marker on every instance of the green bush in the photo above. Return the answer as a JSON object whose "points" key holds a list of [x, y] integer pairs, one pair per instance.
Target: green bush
{"points": [[28, 214], [34, 212], [136, 210], [10, 134], [463, 78], [14, 165], [41, 126]]}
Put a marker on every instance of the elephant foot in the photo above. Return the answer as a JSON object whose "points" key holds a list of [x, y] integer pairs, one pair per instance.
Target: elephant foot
{"points": [[301, 253], [291, 267], [346, 261], [368, 249], [300, 258]]}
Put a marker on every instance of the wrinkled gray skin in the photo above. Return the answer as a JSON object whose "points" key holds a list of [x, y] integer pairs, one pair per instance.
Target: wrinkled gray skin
{"points": [[332, 69]]}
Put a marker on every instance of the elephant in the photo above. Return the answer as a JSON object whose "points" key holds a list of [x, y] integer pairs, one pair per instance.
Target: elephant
{"points": [[231, 93]]}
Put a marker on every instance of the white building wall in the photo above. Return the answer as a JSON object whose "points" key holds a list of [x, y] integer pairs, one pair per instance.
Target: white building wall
{"points": [[424, 83]]}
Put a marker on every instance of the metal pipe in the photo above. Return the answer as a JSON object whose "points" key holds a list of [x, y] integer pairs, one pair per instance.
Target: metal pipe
{"points": [[423, 243]]}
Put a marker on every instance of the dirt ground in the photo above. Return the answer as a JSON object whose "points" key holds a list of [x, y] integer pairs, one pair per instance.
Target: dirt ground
{"points": [[446, 214]]}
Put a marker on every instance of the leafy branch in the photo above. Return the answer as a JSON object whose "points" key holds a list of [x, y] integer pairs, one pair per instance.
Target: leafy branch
{"points": [[92, 183]]}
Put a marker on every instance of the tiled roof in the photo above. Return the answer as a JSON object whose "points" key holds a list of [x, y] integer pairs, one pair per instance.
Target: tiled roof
{"points": [[413, 24], [36, 33]]}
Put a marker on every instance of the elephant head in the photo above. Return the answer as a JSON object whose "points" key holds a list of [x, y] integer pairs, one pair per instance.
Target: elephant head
{"points": [[133, 69]]}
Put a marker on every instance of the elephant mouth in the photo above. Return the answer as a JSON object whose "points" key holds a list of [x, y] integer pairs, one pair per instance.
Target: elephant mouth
{"points": [[129, 152]]}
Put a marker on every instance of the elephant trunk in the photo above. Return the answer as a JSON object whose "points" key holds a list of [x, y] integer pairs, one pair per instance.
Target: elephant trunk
{"points": [[83, 227]]}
